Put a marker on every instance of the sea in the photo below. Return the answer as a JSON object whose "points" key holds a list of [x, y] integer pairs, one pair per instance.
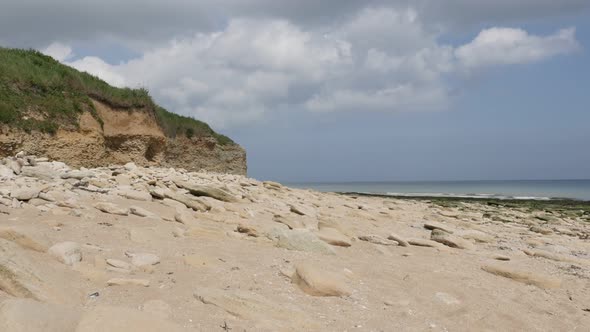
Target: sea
{"points": [[509, 189]]}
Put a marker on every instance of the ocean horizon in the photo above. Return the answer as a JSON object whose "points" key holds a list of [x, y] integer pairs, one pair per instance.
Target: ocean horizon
{"points": [[497, 189]]}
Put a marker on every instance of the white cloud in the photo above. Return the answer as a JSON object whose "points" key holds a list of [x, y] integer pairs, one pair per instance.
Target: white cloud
{"points": [[380, 59], [504, 46], [58, 51]]}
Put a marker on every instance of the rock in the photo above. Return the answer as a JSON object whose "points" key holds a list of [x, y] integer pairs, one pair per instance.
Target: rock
{"points": [[501, 257], [128, 282], [292, 223], [27, 315], [143, 259], [14, 235], [141, 212], [401, 242], [14, 165], [541, 230], [434, 225], [249, 230], [25, 194], [450, 240], [272, 185], [118, 264], [424, 243], [184, 217], [301, 210], [202, 190], [112, 208], [376, 239], [556, 257], [319, 282], [334, 237], [121, 319], [135, 195], [41, 172], [68, 253], [475, 235], [303, 240], [186, 201], [77, 174], [130, 166], [6, 173], [528, 278]]}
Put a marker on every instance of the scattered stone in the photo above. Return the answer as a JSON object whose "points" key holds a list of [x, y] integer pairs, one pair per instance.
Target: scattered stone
{"points": [[112, 208], [128, 282], [136, 195], [401, 242], [25, 194], [118, 264], [292, 223], [541, 230], [501, 257], [303, 240], [68, 253], [141, 212], [334, 237], [528, 278], [475, 235], [424, 243], [143, 259], [319, 282], [432, 226], [201, 190], [77, 174], [249, 230], [376, 239], [555, 257], [450, 240]]}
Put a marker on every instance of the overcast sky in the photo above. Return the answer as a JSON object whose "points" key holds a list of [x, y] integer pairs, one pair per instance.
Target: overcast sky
{"points": [[347, 90]]}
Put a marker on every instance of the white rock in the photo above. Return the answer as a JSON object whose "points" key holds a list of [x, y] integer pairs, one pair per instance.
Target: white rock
{"points": [[68, 253]]}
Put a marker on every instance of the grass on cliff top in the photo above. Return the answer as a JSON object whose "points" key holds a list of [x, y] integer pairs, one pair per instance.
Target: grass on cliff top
{"points": [[39, 93]]}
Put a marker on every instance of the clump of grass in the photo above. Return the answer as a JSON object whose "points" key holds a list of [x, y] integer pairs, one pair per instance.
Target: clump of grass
{"points": [[37, 93]]}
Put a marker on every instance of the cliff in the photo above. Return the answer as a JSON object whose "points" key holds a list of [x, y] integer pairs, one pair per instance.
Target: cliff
{"points": [[53, 110]]}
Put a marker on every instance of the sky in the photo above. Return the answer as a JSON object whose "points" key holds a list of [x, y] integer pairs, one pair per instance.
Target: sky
{"points": [[347, 90]]}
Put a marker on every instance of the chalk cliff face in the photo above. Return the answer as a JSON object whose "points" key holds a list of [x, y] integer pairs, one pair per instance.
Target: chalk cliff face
{"points": [[126, 135]]}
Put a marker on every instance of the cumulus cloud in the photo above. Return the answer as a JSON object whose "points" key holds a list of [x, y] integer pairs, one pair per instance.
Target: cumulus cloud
{"points": [[503, 46], [59, 51], [377, 59]]}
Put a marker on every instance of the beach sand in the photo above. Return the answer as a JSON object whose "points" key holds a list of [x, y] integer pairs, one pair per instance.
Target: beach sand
{"points": [[127, 248]]}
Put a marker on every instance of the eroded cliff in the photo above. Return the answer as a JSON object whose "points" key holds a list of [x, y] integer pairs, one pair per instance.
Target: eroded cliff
{"points": [[126, 135]]}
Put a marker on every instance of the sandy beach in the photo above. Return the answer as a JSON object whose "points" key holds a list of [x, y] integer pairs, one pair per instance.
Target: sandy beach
{"points": [[128, 248]]}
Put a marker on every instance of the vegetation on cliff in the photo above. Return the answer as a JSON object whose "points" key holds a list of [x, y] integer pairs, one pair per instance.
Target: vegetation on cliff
{"points": [[39, 93]]}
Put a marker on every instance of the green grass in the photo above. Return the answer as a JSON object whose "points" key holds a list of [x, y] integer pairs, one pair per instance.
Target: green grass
{"points": [[37, 93]]}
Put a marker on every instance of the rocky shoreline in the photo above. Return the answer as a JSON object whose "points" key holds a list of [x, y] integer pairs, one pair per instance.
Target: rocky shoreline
{"points": [[126, 248]]}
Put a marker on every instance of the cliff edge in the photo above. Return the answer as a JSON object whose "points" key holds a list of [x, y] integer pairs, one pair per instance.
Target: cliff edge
{"points": [[52, 110]]}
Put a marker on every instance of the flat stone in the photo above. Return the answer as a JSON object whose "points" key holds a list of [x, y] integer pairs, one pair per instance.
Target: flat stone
{"points": [[525, 277], [434, 225], [248, 230], [25, 194], [112, 208], [424, 243], [128, 282], [221, 194], [319, 282], [118, 264], [143, 259], [376, 239], [334, 237], [303, 240], [141, 212], [68, 253], [541, 230], [136, 195], [449, 240], [401, 242]]}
